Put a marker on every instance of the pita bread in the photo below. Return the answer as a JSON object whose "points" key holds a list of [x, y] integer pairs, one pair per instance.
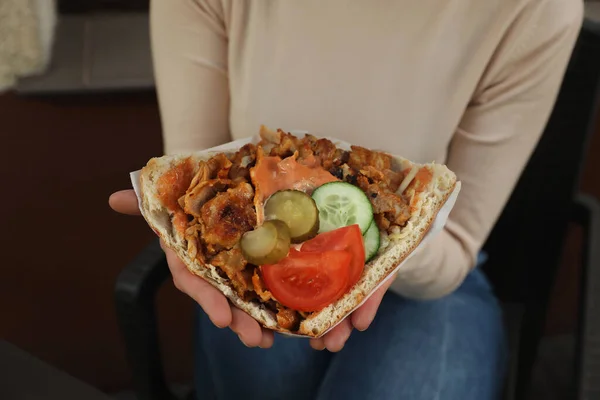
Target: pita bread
{"points": [[395, 246]]}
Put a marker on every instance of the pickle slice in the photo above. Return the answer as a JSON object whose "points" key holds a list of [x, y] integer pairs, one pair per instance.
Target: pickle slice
{"points": [[267, 244], [298, 210]]}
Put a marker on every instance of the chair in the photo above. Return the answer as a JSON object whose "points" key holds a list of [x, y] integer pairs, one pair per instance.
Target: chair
{"points": [[524, 247]]}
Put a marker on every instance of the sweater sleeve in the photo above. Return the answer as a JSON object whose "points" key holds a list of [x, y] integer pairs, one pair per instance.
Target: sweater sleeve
{"points": [[494, 140], [189, 50]]}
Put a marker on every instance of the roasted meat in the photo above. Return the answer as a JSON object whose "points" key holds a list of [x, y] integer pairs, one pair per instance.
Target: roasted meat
{"points": [[227, 216], [192, 236], [197, 196], [211, 178], [235, 267], [376, 166], [392, 179], [259, 286], [328, 153], [216, 167], [382, 222], [391, 205], [288, 319], [242, 161], [287, 146], [361, 157], [310, 151]]}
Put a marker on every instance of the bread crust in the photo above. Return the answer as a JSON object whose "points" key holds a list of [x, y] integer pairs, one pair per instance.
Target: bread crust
{"points": [[375, 272]]}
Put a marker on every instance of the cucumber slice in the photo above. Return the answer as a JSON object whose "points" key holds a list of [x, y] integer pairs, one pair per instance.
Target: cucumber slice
{"points": [[342, 204], [371, 239]]}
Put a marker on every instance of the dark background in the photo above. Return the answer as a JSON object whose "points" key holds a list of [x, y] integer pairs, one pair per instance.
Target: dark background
{"points": [[63, 246], [84, 6]]}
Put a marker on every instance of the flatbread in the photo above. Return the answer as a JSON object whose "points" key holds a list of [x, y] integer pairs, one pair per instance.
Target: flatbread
{"points": [[396, 247]]}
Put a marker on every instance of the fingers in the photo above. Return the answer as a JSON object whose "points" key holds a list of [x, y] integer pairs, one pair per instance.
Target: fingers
{"points": [[267, 339], [317, 344], [213, 302], [124, 202], [335, 339], [360, 319], [248, 330], [364, 315]]}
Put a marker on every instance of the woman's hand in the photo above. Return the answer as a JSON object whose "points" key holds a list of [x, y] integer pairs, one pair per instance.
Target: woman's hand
{"points": [[223, 315], [360, 319], [213, 302]]}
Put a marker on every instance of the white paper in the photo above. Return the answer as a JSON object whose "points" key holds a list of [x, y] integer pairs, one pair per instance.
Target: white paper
{"points": [[436, 227]]}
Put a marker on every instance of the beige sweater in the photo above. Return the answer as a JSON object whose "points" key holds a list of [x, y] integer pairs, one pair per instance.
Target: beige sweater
{"points": [[469, 83]]}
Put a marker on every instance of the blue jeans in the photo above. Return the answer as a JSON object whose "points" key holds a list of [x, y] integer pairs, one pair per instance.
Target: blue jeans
{"points": [[450, 348]]}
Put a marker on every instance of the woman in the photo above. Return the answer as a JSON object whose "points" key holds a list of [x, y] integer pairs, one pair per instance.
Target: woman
{"points": [[468, 83]]}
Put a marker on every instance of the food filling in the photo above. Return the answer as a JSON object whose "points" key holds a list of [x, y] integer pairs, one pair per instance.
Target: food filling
{"points": [[290, 222]]}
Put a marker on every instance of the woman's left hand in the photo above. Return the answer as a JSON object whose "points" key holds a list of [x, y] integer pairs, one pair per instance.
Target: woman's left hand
{"points": [[335, 339]]}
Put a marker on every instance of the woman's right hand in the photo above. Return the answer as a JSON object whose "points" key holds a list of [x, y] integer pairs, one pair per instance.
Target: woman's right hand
{"points": [[213, 302]]}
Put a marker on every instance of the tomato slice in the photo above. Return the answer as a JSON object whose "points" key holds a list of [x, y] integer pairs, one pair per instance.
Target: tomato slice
{"points": [[349, 239], [308, 281]]}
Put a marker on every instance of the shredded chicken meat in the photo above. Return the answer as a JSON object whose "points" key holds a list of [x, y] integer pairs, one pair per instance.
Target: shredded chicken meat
{"points": [[227, 216], [241, 162], [234, 265]]}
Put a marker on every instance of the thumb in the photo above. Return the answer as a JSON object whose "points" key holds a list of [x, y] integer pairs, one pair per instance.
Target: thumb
{"points": [[124, 202]]}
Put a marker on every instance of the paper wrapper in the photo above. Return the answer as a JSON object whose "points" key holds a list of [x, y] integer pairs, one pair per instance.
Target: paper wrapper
{"points": [[436, 226]]}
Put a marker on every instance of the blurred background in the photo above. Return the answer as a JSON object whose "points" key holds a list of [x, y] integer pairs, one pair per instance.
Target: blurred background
{"points": [[72, 132], [78, 113]]}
